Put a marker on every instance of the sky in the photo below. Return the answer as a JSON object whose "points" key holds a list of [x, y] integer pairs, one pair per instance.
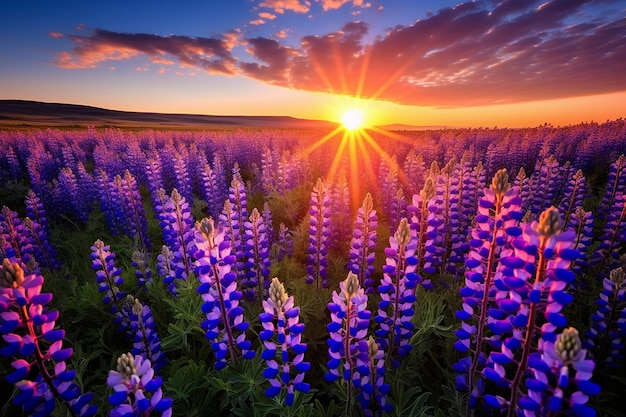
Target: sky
{"points": [[483, 63]]}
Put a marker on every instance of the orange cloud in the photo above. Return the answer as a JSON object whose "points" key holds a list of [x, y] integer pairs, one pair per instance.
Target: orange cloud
{"points": [[280, 6], [266, 15], [257, 22], [55, 35]]}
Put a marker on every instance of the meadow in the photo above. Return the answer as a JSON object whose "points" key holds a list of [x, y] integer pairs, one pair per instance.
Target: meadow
{"points": [[304, 272]]}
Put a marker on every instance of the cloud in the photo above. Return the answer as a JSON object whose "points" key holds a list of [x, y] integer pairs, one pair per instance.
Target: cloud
{"points": [[280, 6], [476, 53], [257, 22], [55, 35], [336, 4], [266, 15], [468, 55], [210, 54]]}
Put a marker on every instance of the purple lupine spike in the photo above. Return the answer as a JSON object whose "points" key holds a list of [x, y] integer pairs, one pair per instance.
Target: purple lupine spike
{"points": [[154, 177], [397, 293], [43, 251], [70, 200], [425, 223], [164, 265], [212, 193], [369, 379], [319, 235], [534, 282], [285, 242], [522, 184], [348, 326], [581, 222], [109, 279], [499, 212], [269, 223], [544, 180], [109, 204], [15, 168], [6, 250], [137, 391], [181, 177], [467, 207], [134, 210], [146, 341], [284, 349], [16, 234], [269, 170], [550, 390], [363, 244], [143, 273], [257, 253], [614, 236], [389, 189], [36, 347], [340, 206], [224, 325], [233, 217], [608, 325], [414, 169], [398, 209], [574, 193], [616, 183], [178, 233], [452, 236]]}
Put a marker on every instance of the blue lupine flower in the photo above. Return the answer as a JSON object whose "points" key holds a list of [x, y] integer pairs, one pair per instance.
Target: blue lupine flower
{"points": [[284, 349], [495, 226], [363, 244], [319, 236], [397, 293], [146, 341], [369, 379], [550, 386], [257, 253], [608, 326], [224, 325], [25, 322], [137, 392]]}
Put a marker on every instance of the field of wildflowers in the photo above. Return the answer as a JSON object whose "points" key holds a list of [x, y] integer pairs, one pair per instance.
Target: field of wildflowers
{"points": [[264, 272]]}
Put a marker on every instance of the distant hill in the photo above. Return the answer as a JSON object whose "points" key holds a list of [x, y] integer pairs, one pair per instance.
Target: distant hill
{"points": [[25, 114]]}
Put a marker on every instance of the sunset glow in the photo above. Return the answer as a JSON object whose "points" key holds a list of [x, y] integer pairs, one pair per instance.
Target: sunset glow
{"points": [[353, 119]]}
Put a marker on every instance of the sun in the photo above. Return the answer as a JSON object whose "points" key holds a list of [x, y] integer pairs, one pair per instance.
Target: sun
{"points": [[353, 119]]}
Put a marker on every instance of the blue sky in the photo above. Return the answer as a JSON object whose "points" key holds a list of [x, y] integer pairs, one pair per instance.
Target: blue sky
{"points": [[483, 63]]}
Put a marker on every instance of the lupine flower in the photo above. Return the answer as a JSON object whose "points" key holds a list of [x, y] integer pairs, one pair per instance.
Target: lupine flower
{"points": [[534, 281], [398, 210], [181, 177], [164, 265], [257, 252], [285, 242], [109, 279], [177, 225], [348, 326], [550, 387], [581, 222], [224, 325], [137, 391], [146, 341], [496, 224], [284, 350], [143, 273], [614, 236], [363, 244], [425, 223], [369, 379], [319, 235], [397, 293], [16, 234], [616, 183], [608, 327], [340, 206], [573, 196], [41, 231], [24, 323]]}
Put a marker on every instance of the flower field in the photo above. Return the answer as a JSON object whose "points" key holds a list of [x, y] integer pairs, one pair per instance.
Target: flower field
{"points": [[305, 273]]}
